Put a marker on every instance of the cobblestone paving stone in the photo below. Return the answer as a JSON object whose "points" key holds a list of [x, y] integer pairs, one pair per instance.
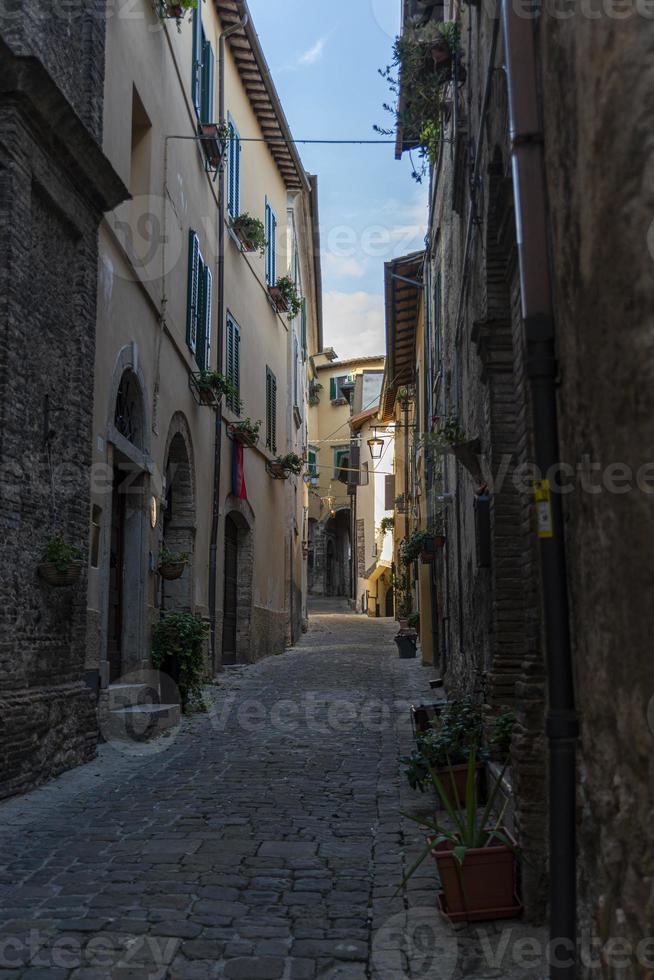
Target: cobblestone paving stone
{"points": [[264, 841]]}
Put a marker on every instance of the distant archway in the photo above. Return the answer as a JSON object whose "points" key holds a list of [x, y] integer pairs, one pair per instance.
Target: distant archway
{"points": [[238, 577]]}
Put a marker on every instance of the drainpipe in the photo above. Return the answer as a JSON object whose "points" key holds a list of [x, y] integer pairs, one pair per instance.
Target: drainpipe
{"points": [[215, 522], [537, 310]]}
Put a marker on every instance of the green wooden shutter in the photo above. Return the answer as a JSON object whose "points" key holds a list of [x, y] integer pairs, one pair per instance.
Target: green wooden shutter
{"points": [[198, 45], [234, 170], [200, 345], [271, 411], [193, 291], [236, 402], [333, 392], [304, 328], [229, 353], [208, 82], [274, 414], [313, 463], [208, 296]]}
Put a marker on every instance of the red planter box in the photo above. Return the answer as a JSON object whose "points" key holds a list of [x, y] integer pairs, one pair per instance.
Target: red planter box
{"points": [[483, 887]]}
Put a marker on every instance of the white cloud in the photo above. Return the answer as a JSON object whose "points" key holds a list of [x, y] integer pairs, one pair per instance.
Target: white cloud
{"points": [[314, 53], [309, 57], [354, 323], [341, 266]]}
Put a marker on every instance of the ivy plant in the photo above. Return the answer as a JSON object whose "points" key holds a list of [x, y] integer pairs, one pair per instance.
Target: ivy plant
{"points": [[252, 230], [290, 295], [181, 637]]}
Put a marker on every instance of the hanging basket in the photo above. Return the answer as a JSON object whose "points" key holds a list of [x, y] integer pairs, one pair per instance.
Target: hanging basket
{"points": [[277, 471], [238, 227], [467, 453], [59, 578], [431, 548], [173, 570], [243, 436], [278, 299], [211, 144]]}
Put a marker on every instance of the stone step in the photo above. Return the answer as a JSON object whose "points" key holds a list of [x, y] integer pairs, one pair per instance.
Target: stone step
{"points": [[126, 695], [141, 722]]}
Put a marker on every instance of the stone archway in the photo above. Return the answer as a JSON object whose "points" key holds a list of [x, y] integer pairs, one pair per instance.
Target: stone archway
{"points": [[238, 575], [125, 569], [179, 518]]}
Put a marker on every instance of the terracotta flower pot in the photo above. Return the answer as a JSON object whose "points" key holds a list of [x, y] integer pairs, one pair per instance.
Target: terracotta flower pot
{"points": [[484, 886], [239, 230], [172, 570], [60, 578], [441, 53], [174, 10], [460, 776], [277, 471], [211, 144]]}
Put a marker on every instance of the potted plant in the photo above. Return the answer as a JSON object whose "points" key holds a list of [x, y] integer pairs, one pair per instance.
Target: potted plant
{"points": [[250, 233], [285, 297], [449, 437], [413, 622], [283, 466], [246, 432], [61, 564], [212, 387], [171, 564], [314, 392], [387, 524], [476, 856], [406, 641], [178, 648], [446, 746], [169, 10], [400, 504], [213, 137], [444, 45]]}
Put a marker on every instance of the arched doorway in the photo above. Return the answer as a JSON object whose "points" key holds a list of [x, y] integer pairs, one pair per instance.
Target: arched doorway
{"points": [[127, 571], [179, 525], [338, 554], [237, 587]]}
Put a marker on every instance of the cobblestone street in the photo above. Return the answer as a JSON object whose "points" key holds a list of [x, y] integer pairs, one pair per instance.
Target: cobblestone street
{"points": [[265, 840]]}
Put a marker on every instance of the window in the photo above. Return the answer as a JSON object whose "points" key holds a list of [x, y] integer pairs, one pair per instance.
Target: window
{"points": [[202, 86], [341, 460], [296, 372], [271, 411], [364, 475], [304, 329], [335, 391], [233, 363], [198, 315], [271, 248], [234, 170], [312, 465]]}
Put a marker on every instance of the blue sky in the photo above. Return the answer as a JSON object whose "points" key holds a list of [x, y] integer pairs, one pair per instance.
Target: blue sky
{"points": [[324, 59]]}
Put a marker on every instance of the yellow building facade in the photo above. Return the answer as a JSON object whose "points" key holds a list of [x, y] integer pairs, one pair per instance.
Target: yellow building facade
{"points": [[193, 126]]}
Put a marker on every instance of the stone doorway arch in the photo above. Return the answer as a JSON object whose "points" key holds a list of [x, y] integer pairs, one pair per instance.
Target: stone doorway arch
{"points": [[238, 574], [179, 517]]}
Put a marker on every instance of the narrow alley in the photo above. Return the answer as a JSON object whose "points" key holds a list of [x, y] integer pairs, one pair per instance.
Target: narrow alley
{"points": [[265, 840]]}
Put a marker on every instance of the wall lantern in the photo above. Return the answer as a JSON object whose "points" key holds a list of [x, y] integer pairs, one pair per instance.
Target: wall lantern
{"points": [[329, 502], [376, 446]]}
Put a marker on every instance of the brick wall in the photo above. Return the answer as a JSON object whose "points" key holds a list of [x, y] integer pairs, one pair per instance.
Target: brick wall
{"points": [[51, 197]]}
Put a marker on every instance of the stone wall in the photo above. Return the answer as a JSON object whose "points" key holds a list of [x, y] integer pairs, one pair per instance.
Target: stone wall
{"points": [[490, 610], [52, 193], [598, 76]]}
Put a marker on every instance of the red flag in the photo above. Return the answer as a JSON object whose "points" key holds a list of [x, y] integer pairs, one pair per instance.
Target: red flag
{"points": [[238, 471]]}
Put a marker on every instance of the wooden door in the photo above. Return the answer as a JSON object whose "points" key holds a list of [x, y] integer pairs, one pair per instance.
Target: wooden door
{"points": [[231, 592], [116, 578]]}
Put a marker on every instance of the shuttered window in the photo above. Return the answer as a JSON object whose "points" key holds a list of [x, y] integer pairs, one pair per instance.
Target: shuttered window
{"points": [[304, 329], [207, 83], [234, 170], [312, 468], [271, 247], [233, 362], [203, 77], [199, 305], [271, 411]]}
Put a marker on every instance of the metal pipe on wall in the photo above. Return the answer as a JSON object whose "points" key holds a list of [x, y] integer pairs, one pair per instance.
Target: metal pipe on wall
{"points": [[536, 288], [220, 344]]}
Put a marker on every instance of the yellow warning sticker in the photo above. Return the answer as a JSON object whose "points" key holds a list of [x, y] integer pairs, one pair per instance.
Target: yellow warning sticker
{"points": [[543, 497]]}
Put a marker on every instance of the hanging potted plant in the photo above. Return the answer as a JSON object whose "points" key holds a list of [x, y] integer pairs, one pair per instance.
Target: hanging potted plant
{"points": [[476, 856], [178, 649], [250, 233], [282, 467], [213, 137], [314, 392], [444, 46], [285, 297], [246, 432], [171, 564], [169, 10], [212, 386], [62, 563], [449, 437]]}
